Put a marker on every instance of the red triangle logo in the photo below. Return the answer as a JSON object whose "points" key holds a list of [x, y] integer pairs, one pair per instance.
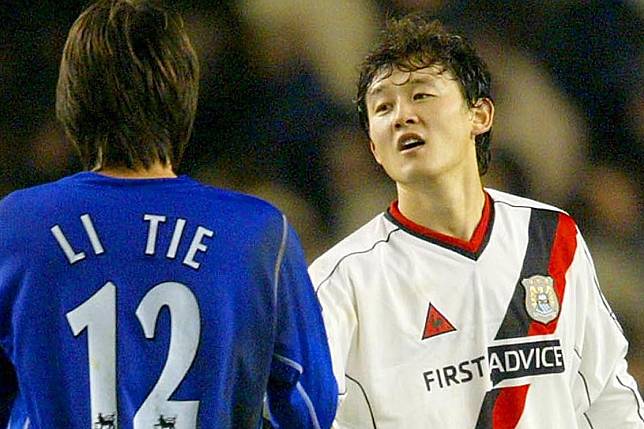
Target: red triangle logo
{"points": [[436, 323]]}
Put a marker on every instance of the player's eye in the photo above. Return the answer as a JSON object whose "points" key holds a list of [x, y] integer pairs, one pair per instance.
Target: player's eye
{"points": [[382, 108], [422, 95]]}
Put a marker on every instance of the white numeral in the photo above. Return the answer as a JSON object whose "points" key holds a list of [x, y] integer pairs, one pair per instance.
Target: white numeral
{"points": [[98, 315], [184, 340]]}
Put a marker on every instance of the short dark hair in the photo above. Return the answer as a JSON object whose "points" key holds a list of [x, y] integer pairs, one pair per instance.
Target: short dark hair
{"points": [[414, 42], [128, 85]]}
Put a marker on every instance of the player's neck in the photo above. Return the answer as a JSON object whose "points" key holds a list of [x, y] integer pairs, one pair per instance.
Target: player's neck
{"points": [[156, 171], [451, 210]]}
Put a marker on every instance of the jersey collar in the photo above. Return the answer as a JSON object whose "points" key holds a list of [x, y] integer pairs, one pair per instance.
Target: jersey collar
{"points": [[472, 248]]}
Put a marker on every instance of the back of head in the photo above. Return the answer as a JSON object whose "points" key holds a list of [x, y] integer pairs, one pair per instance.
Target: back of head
{"points": [[414, 42], [128, 85]]}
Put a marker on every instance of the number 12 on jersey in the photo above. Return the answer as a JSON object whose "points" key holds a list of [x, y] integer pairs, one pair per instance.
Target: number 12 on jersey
{"points": [[98, 316]]}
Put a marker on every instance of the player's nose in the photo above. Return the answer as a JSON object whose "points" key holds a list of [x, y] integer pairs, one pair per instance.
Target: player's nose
{"points": [[404, 115]]}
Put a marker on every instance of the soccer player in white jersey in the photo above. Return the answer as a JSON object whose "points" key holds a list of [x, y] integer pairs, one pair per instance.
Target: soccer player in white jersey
{"points": [[134, 298], [462, 307]]}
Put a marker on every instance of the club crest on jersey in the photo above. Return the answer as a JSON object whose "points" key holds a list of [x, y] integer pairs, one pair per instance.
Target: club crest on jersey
{"points": [[541, 301]]}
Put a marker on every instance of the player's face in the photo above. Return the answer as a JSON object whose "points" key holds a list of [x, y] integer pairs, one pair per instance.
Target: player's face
{"points": [[421, 127]]}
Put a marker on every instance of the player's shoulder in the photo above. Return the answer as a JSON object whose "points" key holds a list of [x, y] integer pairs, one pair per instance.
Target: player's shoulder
{"points": [[506, 201], [355, 248], [511, 200], [78, 186], [84, 191], [25, 199], [249, 204], [254, 220], [24, 212]]}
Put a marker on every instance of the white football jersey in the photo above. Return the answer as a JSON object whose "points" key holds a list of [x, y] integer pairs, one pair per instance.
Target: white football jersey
{"points": [[508, 330]]}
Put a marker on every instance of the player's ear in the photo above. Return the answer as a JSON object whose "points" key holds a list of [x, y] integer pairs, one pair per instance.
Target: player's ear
{"points": [[374, 151], [482, 116]]}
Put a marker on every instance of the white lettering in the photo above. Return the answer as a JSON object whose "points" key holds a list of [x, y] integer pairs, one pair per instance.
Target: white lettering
{"points": [[558, 357], [544, 357], [526, 360], [495, 363], [196, 246], [71, 255], [512, 366], [176, 238], [91, 233], [154, 220], [154, 231]]}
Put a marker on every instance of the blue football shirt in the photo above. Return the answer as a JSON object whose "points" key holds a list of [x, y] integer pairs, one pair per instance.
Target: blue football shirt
{"points": [[156, 303]]}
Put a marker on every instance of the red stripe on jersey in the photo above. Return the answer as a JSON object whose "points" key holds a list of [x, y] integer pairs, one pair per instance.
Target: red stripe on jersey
{"points": [[508, 407], [563, 251], [503, 407], [473, 245]]}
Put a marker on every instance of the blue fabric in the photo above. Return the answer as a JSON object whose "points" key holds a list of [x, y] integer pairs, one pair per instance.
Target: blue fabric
{"points": [[231, 283]]}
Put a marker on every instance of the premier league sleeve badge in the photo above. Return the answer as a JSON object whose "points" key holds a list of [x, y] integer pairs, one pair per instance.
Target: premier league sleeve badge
{"points": [[541, 301]]}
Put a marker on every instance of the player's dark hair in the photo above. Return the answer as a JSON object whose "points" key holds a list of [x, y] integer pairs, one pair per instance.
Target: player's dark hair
{"points": [[414, 42], [128, 85]]}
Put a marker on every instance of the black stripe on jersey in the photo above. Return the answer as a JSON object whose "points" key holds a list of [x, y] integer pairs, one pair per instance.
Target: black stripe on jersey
{"points": [[541, 235], [471, 255], [373, 420], [639, 407], [317, 288], [487, 409]]}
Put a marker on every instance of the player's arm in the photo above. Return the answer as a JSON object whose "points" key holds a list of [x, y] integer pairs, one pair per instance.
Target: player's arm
{"points": [[338, 311], [612, 398], [302, 391]]}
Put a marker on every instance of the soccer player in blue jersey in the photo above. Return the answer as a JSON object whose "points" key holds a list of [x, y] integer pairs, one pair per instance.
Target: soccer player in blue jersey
{"points": [[131, 297]]}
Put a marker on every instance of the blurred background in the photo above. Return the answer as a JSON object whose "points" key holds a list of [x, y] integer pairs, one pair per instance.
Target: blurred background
{"points": [[276, 117]]}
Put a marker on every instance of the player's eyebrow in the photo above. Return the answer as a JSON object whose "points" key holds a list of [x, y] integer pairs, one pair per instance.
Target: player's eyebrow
{"points": [[379, 87], [422, 80], [376, 89]]}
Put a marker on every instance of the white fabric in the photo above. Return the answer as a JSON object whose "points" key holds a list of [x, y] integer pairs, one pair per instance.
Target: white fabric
{"points": [[375, 287]]}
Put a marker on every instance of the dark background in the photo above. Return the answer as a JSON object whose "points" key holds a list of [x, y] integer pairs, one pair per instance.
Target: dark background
{"points": [[276, 117]]}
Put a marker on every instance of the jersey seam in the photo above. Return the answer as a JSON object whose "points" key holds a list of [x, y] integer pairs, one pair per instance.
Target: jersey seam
{"points": [[535, 207], [611, 313], [342, 258], [290, 362], [583, 379], [278, 264], [309, 405], [373, 420], [577, 353], [586, 388], [639, 407]]}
